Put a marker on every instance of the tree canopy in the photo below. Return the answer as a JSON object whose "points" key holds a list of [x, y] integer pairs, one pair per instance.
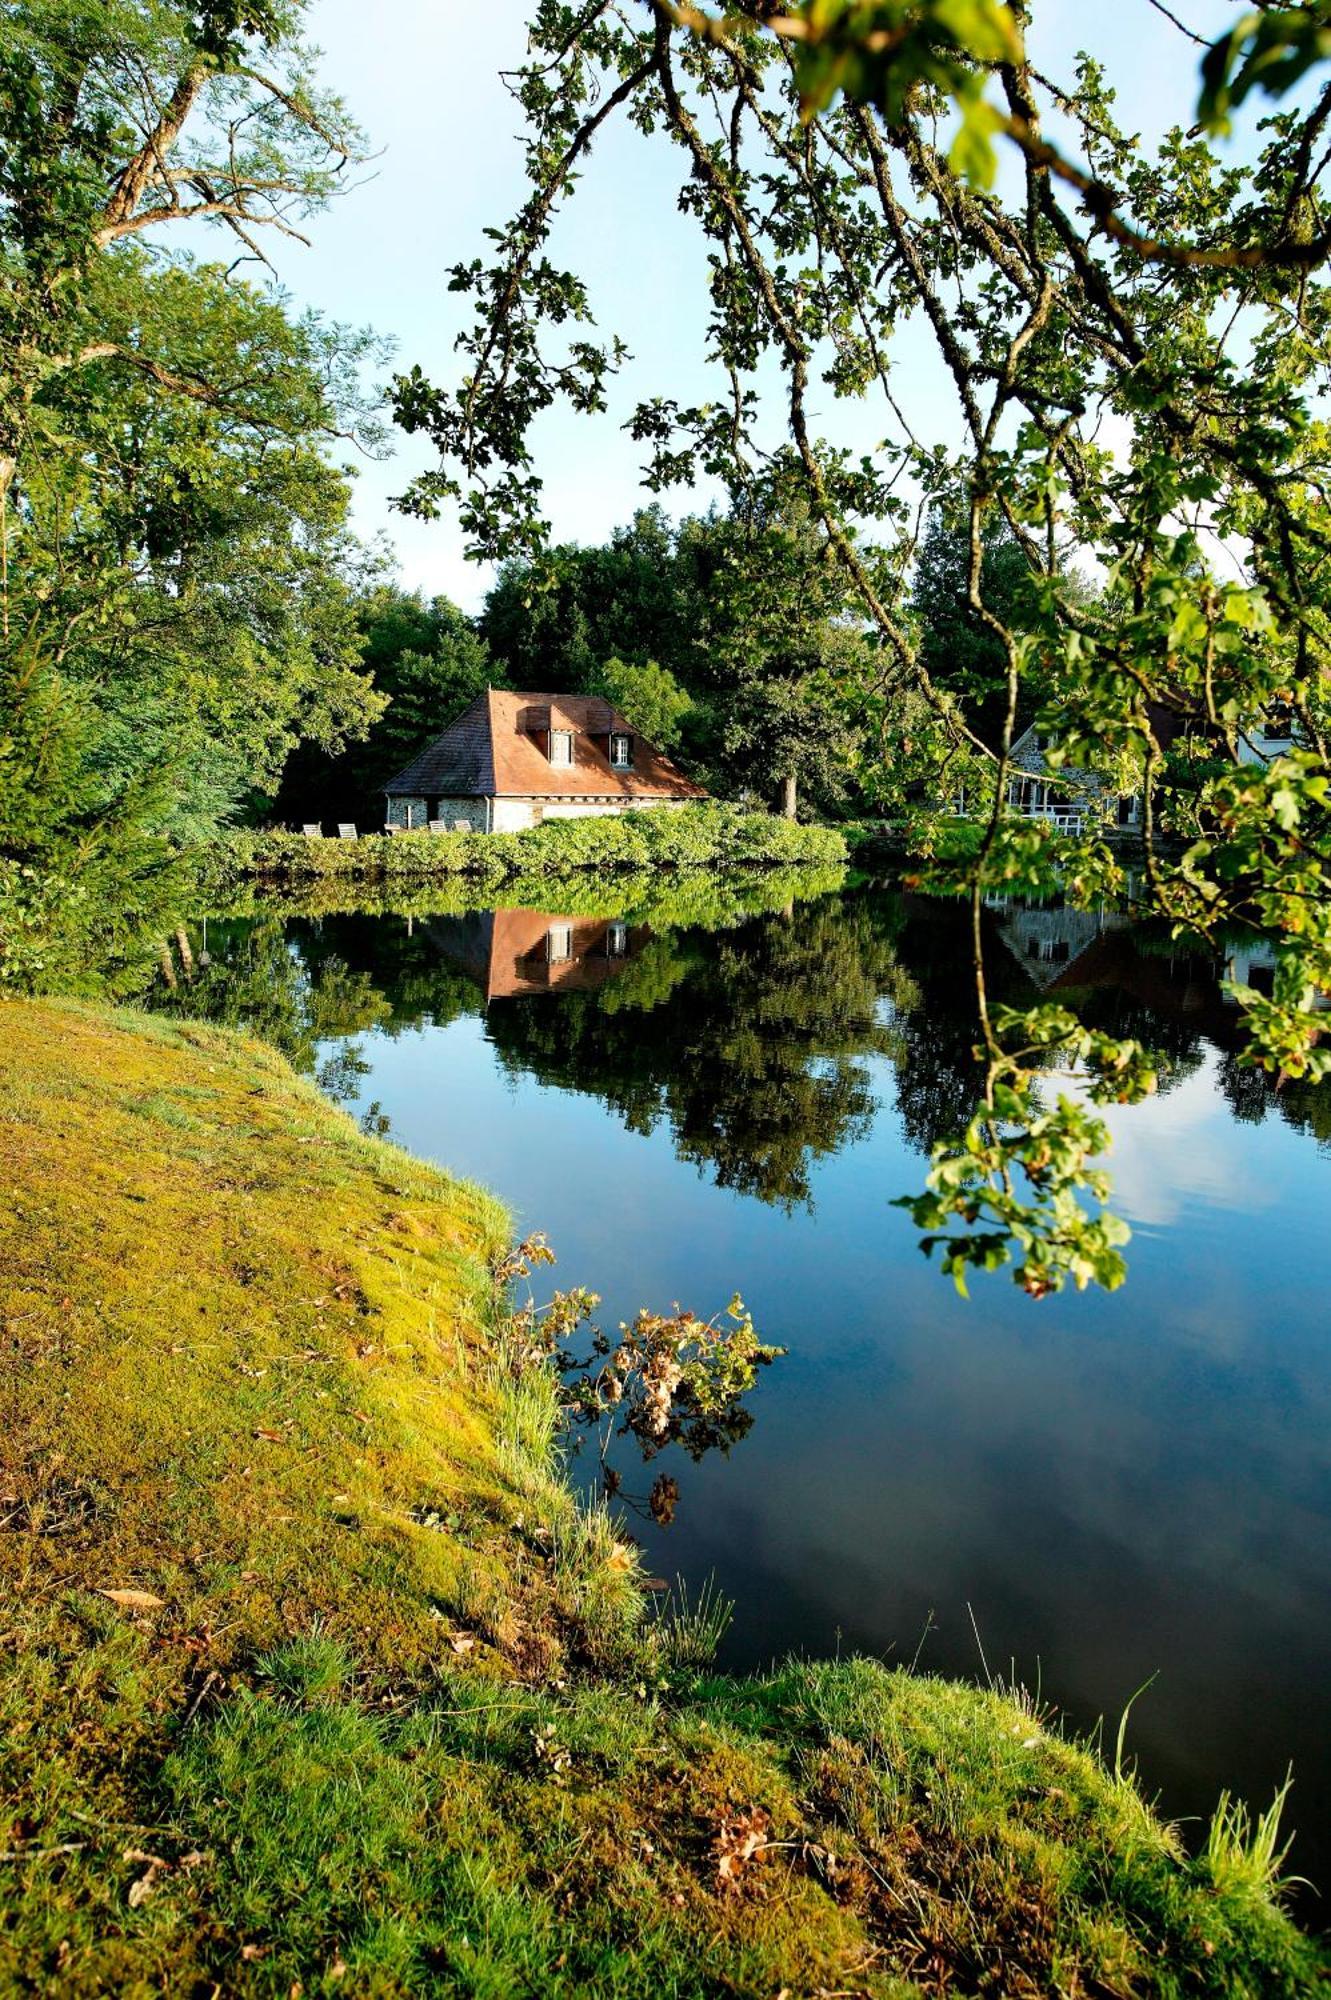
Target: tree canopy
{"points": [[841, 161], [176, 566]]}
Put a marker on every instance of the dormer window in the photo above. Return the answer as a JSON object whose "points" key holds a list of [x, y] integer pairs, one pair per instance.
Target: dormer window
{"points": [[621, 752], [561, 746]]}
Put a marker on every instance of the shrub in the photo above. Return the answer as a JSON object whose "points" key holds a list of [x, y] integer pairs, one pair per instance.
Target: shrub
{"points": [[701, 836]]}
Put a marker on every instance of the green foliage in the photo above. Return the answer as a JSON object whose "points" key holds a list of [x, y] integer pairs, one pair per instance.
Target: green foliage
{"points": [[693, 836], [208, 596], [1269, 50], [958, 652], [86, 880], [555, 618], [1136, 341], [647, 696], [175, 528], [729, 636], [426, 663], [881, 51], [1021, 1168], [775, 651]]}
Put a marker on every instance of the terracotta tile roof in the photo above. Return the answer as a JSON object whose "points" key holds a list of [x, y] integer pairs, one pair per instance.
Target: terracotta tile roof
{"points": [[507, 951], [492, 751]]}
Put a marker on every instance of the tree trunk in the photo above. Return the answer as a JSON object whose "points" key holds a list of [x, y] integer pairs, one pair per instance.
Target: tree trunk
{"points": [[788, 796]]}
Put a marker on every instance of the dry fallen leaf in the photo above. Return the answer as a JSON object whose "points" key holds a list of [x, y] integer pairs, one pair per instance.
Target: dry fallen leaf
{"points": [[461, 1642], [142, 1888], [273, 1437], [134, 1600], [620, 1557], [738, 1839]]}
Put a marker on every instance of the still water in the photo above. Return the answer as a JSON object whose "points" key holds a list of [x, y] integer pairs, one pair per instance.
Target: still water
{"points": [[1098, 1491]]}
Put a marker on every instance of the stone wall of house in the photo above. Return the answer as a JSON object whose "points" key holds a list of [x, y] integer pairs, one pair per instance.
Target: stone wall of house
{"points": [[508, 815], [453, 811]]}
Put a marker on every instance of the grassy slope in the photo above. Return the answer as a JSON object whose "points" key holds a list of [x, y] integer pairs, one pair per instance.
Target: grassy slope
{"points": [[395, 1724]]}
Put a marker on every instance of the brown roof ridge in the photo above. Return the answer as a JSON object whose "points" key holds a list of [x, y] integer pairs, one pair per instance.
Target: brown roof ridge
{"points": [[486, 752]]}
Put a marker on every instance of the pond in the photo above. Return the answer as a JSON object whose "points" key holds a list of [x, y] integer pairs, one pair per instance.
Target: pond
{"points": [[1085, 1493]]}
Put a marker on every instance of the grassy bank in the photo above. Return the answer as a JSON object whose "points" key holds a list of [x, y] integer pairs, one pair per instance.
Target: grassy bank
{"points": [[315, 1678], [701, 836]]}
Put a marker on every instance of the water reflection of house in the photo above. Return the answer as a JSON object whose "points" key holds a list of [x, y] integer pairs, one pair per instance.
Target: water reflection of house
{"points": [[1049, 938], [511, 953], [1066, 952], [1251, 962]]}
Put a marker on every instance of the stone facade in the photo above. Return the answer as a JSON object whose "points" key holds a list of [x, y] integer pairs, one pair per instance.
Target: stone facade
{"points": [[1067, 798], [507, 815]]}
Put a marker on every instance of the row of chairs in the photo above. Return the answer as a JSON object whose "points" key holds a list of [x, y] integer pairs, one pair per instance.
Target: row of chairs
{"points": [[346, 830]]}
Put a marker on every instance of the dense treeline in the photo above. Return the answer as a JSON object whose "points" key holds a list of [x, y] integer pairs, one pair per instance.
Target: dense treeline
{"points": [[180, 587], [192, 635], [726, 638]]}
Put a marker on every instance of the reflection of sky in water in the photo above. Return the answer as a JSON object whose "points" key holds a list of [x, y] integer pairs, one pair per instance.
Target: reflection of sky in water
{"points": [[1178, 1157], [1116, 1486]]}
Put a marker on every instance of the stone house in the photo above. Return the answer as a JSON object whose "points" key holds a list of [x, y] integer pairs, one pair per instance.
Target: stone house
{"points": [[1067, 798], [1070, 798], [512, 760]]}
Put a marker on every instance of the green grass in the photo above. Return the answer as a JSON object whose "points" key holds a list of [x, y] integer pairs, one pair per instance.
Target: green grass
{"points": [[386, 1715]]}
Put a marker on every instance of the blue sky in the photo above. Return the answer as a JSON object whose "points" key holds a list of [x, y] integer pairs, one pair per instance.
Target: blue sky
{"points": [[422, 76]]}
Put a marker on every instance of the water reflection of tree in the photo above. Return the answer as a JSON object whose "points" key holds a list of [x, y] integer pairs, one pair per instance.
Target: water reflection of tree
{"points": [[417, 989], [750, 1042], [750, 1045], [251, 976], [1252, 1095]]}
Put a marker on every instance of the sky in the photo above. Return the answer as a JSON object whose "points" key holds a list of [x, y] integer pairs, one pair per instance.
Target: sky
{"points": [[422, 76]]}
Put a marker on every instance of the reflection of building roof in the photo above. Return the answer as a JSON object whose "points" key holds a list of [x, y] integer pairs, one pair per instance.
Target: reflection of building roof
{"points": [[494, 750], [1179, 986], [1049, 939], [510, 953]]}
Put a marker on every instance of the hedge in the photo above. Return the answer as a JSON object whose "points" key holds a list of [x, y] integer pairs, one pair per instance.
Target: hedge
{"points": [[703, 836]]}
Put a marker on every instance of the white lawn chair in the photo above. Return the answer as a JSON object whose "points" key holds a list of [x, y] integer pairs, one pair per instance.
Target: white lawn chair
{"points": [[439, 826], [346, 829], [462, 826], [313, 830]]}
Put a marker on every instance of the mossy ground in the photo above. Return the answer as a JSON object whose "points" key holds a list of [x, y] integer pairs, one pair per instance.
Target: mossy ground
{"points": [[384, 1716]]}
